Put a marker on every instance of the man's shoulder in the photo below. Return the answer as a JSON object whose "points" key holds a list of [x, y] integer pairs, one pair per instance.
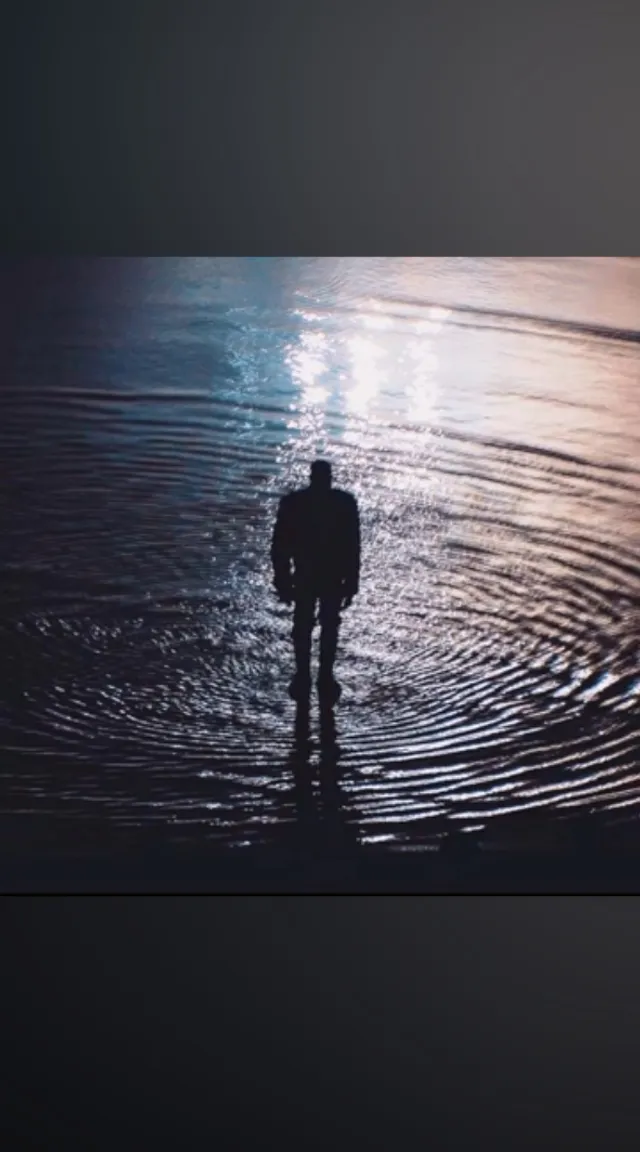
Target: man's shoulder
{"points": [[290, 498], [346, 499], [302, 496], [292, 501]]}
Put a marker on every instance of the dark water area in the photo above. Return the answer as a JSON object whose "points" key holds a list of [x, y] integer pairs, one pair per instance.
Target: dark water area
{"points": [[485, 414]]}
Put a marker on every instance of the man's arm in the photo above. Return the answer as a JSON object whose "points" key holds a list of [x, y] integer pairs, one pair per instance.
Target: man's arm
{"points": [[281, 552], [352, 567]]}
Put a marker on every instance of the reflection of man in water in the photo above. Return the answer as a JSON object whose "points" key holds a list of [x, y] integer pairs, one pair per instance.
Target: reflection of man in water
{"points": [[316, 558]]}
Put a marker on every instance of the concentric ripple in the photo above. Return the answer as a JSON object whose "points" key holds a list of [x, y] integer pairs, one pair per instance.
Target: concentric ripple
{"points": [[490, 664]]}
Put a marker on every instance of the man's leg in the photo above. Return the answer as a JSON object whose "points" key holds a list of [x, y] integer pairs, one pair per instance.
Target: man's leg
{"points": [[303, 615], [330, 626]]}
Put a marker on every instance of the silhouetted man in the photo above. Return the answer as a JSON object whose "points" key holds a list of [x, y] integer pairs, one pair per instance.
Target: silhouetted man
{"points": [[316, 558]]}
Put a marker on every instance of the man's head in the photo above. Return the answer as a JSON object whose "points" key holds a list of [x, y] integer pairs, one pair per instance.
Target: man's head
{"points": [[321, 475]]}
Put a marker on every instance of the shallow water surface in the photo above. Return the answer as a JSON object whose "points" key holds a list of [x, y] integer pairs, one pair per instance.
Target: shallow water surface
{"points": [[484, 413]]}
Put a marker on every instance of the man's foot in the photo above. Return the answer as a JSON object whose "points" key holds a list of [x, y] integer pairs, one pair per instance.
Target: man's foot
{"points": [[328, 689], [300, 687]]}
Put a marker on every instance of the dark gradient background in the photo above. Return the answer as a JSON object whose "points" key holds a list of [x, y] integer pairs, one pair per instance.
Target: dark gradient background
{"points": [[271, 1022], [237, 128], [264, 129]]}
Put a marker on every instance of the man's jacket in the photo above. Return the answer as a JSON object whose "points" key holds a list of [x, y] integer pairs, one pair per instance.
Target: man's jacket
{"points": [[316, 543]]}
